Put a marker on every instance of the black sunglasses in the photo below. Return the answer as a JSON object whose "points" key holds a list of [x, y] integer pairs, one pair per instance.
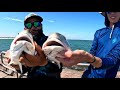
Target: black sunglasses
{"points": [[108, 12], [35, 24]]}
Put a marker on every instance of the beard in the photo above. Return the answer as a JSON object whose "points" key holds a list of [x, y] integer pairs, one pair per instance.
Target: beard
{"points": [[37, 34]]}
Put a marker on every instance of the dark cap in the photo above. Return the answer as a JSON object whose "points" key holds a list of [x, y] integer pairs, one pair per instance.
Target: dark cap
{"points": [[31, 15]]}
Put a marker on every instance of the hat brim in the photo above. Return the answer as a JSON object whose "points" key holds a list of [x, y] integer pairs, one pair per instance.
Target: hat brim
{"points": [[102, 13]]}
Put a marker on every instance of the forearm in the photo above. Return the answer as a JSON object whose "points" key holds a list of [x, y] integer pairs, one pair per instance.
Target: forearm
{"points": [[93, 60]]}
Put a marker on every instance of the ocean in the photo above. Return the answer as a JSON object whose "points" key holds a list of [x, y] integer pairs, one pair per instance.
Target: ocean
{"points": [[74, 44]]}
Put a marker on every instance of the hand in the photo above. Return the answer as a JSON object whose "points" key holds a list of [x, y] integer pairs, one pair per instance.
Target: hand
{"points": [[38, 60], [70, 58]]}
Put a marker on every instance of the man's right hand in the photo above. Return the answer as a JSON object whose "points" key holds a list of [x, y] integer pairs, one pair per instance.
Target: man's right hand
{"points": [[34, 60]]}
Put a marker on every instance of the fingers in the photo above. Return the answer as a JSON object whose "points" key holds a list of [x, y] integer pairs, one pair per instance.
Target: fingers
{"points": [[24, 61], [68, 53], [35, 44]]}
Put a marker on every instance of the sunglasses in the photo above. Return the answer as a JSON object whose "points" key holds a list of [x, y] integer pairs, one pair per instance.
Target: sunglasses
{"points": [[108, 12], [35, 24]]}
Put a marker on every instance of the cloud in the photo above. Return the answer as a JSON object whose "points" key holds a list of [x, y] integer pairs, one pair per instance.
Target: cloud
{"points": [[50, 21], [18, 20], [13, 19]]}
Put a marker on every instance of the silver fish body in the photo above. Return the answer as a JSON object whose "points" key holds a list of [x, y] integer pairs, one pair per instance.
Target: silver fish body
{"points": [[23, 42], [55, 43]]}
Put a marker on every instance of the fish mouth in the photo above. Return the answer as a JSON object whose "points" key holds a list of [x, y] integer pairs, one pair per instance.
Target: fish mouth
{"points": [[23, 38], [53, 43]]}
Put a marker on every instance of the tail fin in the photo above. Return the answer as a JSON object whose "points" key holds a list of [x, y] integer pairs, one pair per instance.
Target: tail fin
{"points": [[20, 66]]}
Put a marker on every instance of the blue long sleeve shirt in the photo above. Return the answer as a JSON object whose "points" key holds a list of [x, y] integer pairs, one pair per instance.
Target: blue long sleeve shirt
{"points": [[106, 45]]}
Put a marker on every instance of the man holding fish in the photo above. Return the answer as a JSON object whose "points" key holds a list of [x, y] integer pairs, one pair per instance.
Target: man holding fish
{"points": [[37, 66]]}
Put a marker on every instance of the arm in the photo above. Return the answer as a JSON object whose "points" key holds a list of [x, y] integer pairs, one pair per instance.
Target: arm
{"points": [[70, 58], [79, 56], [112, 58], [94, 43]]}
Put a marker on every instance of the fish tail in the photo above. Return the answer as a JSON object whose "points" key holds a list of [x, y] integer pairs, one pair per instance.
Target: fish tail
{"points": [[20, 65]]}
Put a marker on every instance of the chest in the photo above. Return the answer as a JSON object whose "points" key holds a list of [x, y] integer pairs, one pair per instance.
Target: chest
{"points": [[105, 39]]}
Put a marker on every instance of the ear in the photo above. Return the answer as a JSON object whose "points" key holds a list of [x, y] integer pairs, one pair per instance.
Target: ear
{"points": [[25, 28]]}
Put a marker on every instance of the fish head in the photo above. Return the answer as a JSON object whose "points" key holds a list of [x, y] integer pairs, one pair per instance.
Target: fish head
{"points": [[25, 35], [56, 39], [55, 43]]}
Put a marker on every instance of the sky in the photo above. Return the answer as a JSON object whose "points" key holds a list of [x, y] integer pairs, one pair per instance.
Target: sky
{"points": [[73, 25]]}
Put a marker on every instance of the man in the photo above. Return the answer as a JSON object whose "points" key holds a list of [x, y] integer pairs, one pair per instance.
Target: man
{"points": [[39, 67]]}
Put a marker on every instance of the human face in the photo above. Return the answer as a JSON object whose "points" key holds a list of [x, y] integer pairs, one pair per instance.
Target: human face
{"points": [[113, 17], [34, 26]]}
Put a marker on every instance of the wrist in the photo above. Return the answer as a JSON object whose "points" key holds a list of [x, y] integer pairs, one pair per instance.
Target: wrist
{"points": [[93, 60]]}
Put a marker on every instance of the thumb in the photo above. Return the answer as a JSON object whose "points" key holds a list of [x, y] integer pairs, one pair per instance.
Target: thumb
{"points": [[68, 53], [35, 43], [37, 47]]}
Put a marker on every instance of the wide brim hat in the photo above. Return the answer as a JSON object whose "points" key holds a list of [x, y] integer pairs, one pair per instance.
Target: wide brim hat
{"points": [[102, 13]]}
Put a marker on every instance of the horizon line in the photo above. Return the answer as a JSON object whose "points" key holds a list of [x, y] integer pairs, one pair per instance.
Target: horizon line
{"points": [[14, 37]]}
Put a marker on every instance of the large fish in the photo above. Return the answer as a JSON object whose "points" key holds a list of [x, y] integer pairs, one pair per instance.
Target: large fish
{"points": [[23, 42], [55, 43]]}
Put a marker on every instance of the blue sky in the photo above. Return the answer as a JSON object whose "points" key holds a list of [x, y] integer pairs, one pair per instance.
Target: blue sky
{"points": [[74, 25]]}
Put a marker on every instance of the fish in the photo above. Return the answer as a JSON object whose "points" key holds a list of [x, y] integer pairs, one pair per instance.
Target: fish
{"points": [[55, 43], [23, 42]]}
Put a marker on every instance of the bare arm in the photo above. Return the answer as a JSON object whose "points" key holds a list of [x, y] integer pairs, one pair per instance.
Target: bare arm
{"points": [[70, 58]]}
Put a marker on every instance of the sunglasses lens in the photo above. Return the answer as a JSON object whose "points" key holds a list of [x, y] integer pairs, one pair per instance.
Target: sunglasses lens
{"points": [[28, 25], [37, 24]]}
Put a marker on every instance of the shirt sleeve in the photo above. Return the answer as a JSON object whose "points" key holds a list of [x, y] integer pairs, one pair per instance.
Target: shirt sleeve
{"points": [[94, 44], [112, 58]]}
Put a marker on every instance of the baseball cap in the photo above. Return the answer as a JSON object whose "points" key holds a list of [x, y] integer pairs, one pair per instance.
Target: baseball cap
{"points": [[30, 15]]}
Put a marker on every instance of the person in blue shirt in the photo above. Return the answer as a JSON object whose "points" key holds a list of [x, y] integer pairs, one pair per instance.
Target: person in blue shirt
{"points": [[104, 55]]}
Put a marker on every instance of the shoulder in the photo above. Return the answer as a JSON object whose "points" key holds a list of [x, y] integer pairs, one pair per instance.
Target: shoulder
{"points": [[101, 31], [44, 38]]}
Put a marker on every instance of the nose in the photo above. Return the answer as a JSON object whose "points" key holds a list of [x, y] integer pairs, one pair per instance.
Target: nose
{"points": [[32, 27]]}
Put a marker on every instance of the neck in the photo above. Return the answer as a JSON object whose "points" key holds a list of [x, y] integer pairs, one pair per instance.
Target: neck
{"points": [[111, 24]]}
